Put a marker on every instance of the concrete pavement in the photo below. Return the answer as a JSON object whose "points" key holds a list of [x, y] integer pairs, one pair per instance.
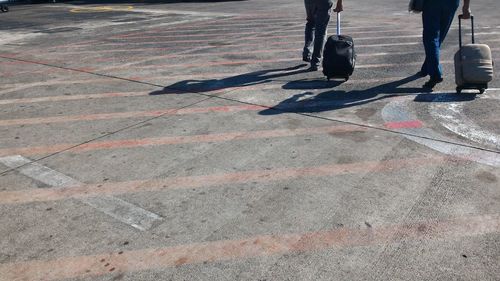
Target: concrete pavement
{"points": [[186, 141]]}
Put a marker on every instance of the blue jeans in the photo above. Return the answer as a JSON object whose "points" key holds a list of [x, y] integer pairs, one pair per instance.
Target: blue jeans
{"points": [[437, 18], [318, 16]]}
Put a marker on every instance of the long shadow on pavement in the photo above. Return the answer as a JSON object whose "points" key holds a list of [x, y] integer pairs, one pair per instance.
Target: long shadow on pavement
{"points": [[309, 102], [247, 79]]}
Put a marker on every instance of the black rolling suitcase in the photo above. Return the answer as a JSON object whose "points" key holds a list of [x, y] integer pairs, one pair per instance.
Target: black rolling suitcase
{"points": [[339, 57]]}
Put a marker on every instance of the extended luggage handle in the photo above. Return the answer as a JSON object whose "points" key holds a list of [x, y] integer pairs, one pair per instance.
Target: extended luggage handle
{"points": [[460, 17], [338, 23]]}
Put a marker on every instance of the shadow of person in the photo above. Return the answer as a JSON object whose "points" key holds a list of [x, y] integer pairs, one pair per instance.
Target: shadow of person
{"points": [[447, 97], [308, 102], [305, 84], [247, 79]]}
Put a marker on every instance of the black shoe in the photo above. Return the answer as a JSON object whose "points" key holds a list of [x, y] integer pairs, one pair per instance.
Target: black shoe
{"points": [[432, 83], [313, 68], [306, 58]]}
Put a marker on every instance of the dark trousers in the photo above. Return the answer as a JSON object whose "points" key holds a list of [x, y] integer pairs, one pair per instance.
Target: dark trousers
{"points": [[318, 16], [437, 18]]}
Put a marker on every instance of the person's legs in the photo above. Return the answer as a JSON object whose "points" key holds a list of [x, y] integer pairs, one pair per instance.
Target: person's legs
{"points": [[322, 18], [447, 15], [431, 18], [310, 28]]}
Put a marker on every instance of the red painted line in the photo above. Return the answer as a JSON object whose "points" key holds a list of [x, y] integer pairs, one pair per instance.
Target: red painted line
{"points": [[57, 81], [201, 25], [240, 62], [73, 97], [183, 34], [13, 62], [171, 49], [205, 181], [135, 114], [195, 35], [207, 138], [183, 30], [229, 45], [204, 64], [16, 87], [295, 50], [86, 267], [41, 71], [245, 62], [404, 124], [214, 54], [213, 39], [24, 58]]}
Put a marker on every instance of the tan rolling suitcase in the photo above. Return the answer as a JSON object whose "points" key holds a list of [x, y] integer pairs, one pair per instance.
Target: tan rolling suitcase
{"points": [[473, 64]]}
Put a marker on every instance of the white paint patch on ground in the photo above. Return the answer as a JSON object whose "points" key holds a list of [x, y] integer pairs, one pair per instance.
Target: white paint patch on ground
{"points": [[452, 117], [143, 10], [38, 172], [399, 111], [109, 205], [194, 16], [123, 211], [9, 37]]}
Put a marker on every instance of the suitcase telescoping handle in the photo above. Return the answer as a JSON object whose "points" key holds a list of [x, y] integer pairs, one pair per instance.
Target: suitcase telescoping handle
{"points": [[338, 23], [460, 17]]}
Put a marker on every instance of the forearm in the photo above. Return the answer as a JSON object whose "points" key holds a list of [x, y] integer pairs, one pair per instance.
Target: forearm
{"points": [[340, 6]]}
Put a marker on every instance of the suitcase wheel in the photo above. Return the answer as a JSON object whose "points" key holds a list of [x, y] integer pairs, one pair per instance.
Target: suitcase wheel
{"points": [[481, 91], [5, 9], [346, 78], [459, 90]]}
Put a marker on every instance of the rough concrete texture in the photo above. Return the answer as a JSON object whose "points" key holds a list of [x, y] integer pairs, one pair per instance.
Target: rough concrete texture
{"points": [[209, 153]]}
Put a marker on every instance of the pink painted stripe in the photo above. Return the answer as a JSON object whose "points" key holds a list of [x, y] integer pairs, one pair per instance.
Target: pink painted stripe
{"points": [[404, 124], [205, 181], [134, 114], [204, 64], [186, 32], [74, 97], [182, 33], [93, 266], [208, 138], [246, 39]]}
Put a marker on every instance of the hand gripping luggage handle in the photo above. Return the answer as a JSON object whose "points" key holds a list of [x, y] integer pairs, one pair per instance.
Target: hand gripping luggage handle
{"points": [[338, 23], [460, 17]]}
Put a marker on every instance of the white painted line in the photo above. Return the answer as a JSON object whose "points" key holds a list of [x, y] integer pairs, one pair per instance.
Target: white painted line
{"points": [[483, 33], [109, 205], [123, 211], [38, 172]]}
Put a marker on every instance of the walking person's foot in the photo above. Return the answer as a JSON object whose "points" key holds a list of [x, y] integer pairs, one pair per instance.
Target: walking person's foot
{"points": [[432, 82], [306, 58], [313, 68]]}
